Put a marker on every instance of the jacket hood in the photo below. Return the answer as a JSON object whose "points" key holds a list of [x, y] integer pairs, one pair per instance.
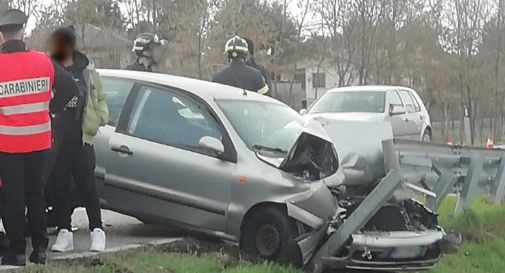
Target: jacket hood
{"points": [[81, 60]]}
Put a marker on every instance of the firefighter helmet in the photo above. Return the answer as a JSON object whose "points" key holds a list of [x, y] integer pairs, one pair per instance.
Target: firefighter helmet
{"points": [[144, 42], [235, 46]]}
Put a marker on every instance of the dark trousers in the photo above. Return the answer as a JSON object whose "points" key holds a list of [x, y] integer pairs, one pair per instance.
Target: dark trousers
{"points": [[58, 131], [76, 162], [24, 187]]}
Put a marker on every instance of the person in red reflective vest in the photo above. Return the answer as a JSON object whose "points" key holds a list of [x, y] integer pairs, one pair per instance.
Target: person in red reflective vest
{"points": [[30, 84]]}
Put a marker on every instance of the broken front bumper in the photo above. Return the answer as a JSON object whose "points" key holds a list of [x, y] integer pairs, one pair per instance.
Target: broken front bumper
{"points": [[389, 251]]}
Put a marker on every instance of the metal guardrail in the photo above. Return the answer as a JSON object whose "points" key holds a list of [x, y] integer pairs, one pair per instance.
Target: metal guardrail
{"points": [[444, 170], [365, 211], [433, 169]]}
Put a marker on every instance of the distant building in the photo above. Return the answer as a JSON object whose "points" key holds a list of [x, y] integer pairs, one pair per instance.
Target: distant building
{"points": [[312, 79]]}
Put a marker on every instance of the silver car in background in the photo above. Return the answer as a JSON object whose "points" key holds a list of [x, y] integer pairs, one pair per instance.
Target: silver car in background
{"points": [[400, 106]]}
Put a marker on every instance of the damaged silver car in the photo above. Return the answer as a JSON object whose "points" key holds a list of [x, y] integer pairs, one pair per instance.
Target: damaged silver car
{"points": [[246, 168], [218, 160]]}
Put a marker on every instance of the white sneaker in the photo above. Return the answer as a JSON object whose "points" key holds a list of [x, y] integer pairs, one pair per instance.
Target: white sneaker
{"points": [[64, 242], [97, 240]]}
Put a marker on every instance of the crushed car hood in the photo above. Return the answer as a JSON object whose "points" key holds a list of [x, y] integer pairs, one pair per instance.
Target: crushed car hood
{"points": [[312, 156], [359, 147]]}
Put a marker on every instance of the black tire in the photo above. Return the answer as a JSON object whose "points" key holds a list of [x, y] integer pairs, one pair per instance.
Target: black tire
{"points": [[270, 234]]}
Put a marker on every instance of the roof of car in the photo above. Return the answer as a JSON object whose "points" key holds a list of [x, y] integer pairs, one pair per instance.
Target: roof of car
{"points": [[201, 88], [368, 88]]}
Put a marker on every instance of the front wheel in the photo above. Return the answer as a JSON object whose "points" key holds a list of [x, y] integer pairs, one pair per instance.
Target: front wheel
{"points": [[427, 136], [270, 234]]}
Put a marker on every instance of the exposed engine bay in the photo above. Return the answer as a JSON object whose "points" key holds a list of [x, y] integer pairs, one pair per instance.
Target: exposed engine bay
{"points": [[398, 235], [407, 215]]}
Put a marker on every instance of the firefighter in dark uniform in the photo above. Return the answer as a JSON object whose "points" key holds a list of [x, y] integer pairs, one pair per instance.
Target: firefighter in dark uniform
{"points": [[147, 47], [28, 81], [252, 62], [238, 73]]}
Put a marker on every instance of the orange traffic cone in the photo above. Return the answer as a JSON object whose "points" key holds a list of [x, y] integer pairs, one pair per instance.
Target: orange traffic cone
{"points": [[490, 142], [449, 141]]}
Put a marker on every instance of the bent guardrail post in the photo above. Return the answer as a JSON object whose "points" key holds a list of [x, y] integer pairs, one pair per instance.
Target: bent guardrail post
{"points": [[365, 211], [498, 188], [470, 185], [442, 189]]}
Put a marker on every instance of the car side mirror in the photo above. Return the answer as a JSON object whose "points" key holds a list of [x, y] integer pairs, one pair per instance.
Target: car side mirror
{"points": [[211, 144], [395, 110], [303, 111]]}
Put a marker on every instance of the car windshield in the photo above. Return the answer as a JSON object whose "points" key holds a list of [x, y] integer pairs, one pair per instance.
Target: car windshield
{"points": [[346, 102], [264, 126]]}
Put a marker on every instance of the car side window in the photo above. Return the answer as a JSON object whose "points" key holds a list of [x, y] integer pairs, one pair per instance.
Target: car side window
{"points": [[416, 102], [169, 117], [407, 101], [394, 99], [117, 91]]}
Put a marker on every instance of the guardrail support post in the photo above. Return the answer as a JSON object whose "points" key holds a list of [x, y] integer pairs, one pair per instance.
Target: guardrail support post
{"points": [[498, 188], [365, 211], [470, 185], [442, 189]]}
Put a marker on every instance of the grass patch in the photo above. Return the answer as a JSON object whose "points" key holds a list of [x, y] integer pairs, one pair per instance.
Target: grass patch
{"points": [[483, 251], [485, 257], [482, 221], [483, 229], [156, 262]]}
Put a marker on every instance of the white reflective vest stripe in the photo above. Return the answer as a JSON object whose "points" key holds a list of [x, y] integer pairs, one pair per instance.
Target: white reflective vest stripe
{"points": [[25, 130], [264, 90], [24, 109]]}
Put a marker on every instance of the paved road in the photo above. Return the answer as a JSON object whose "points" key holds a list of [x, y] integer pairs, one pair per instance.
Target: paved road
{"points": [[121, 231]]}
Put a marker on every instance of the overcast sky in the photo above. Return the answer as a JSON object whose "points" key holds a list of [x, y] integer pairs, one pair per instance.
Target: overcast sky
{"points": [[292, 5]]}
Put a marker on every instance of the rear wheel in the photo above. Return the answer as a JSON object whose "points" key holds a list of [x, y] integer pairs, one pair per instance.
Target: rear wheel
{"points": [[270, 234], [427, 136]]}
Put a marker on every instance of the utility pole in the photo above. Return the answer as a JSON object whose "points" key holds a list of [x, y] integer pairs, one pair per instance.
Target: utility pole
{"points": [[498, 102]]}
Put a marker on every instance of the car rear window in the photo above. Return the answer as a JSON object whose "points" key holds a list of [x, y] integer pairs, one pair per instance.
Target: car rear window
{"points": [[117, 90], [346, 102], [408, 101], [416, 102]]}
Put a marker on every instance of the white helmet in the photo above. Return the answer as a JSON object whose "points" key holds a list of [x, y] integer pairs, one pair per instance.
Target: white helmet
{"points": [[236, 45]]}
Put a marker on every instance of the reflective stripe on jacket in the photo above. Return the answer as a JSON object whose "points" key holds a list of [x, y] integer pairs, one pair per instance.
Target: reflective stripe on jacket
{"points": [[26, 84]]}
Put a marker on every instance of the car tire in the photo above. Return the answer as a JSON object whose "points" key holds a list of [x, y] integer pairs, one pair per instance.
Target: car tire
{"points": [[270, 234], [427, 136]]}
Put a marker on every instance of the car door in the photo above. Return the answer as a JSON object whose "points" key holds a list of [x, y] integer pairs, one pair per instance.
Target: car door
{"points": [[399, 121], [413, 122], [155, 155], [117, 90]]}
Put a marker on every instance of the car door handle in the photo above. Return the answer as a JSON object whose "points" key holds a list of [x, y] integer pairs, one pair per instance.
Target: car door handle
{"points": [[122, 150]]}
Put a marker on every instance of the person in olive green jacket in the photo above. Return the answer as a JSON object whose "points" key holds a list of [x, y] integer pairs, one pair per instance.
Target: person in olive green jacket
{"points": [[96, 113], [75, 160]]}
